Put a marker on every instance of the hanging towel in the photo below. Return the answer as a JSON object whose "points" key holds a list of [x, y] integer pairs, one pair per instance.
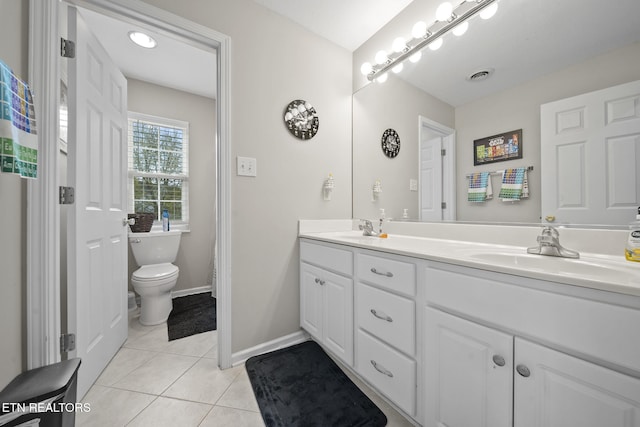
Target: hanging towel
{"points": [[479, 185], [512, 183], [18, 138], [525, 185]]}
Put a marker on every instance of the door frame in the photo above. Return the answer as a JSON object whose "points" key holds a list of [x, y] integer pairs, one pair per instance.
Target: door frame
{"points": [[43, 212], [448, 164]]}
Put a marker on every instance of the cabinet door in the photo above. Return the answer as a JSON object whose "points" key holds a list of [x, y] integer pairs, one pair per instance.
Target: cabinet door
{"points": [[468, 373], [311, 300], [564, 391], [338, 315]]}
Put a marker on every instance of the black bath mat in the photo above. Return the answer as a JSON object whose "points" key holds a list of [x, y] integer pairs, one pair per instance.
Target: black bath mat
{"points": [[191, 315], [302, 386]]}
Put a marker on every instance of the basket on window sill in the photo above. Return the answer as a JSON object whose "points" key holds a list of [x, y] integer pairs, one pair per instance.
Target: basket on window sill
{"points": [[143, 222]]}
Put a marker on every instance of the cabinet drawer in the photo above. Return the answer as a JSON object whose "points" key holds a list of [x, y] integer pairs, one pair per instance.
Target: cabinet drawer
{"points": [[392, 373], [388, 273], [338, 260], [387, 316]]}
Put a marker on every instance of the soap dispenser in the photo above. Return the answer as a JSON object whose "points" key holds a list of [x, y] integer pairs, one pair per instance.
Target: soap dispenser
{"points": [[632, 250]]}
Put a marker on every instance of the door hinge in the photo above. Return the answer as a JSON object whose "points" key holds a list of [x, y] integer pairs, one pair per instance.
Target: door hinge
{"points": [[66, 195], [67, 343], [67, 48], [443, 152], [443, 205]]}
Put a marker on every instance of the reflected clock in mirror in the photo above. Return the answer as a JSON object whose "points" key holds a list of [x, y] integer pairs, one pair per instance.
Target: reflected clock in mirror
{"points": [[301, 119], [390, 143]]}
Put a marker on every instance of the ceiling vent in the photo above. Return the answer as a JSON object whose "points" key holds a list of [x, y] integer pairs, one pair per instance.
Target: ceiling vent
{"points": [[480, 75]]}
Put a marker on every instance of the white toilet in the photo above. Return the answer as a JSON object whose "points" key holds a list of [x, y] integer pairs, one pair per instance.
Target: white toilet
{"points": [[153, 281]]}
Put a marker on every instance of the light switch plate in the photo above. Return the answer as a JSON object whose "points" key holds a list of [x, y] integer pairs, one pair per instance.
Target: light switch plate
{"points": [[413, 185], [247, 166]]}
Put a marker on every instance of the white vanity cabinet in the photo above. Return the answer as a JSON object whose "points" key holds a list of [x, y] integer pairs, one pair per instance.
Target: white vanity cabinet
{"points": [[326, 297], [468, 373], [456, 346], [502, 376], [386, 326]]}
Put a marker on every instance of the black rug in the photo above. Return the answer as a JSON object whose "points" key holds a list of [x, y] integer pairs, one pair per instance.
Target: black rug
{"points": [[192, 315], [302, 386]]}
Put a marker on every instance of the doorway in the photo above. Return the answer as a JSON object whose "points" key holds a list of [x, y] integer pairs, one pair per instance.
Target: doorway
{"points": [[436, 166], [44, 224]]}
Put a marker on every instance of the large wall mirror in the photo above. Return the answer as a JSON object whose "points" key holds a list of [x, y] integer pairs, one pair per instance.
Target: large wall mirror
{"points": [[536, 52]]}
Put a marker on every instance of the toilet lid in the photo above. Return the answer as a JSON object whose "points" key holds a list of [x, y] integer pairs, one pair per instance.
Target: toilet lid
{"points": [[155, 271]]}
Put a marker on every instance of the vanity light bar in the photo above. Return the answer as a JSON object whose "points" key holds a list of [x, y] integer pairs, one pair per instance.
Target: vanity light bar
{"points": [[439, 28]]}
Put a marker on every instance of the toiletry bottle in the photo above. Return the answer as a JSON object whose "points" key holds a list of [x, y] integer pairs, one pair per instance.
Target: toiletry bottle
{"points": [[381, 220], [632, 251], [165, 220], [405, 214]]}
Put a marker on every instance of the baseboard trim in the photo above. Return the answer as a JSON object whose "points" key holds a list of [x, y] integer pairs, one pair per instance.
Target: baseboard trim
{"points": [[278, 343], [191, 291]]}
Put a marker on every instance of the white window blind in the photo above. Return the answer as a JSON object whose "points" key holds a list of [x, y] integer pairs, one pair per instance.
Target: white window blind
{"points": [[159, 166]]}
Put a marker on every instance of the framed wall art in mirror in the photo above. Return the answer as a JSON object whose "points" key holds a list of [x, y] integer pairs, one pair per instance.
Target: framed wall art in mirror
{"points": [[498, 148]]}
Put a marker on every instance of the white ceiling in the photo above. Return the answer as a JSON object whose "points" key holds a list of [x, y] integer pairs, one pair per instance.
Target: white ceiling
{"points": [[524, 40], [173, 63], [347, 23]]}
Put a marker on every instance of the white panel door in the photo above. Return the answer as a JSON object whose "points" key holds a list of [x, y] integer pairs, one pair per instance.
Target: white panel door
{"points": [[590, 152], [468, 373], [97, 150], [311, 300], [563, 391], [431, 180], [338, 315]]}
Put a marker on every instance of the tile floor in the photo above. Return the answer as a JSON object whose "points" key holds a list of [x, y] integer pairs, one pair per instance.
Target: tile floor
{"points": [[154, 382]]}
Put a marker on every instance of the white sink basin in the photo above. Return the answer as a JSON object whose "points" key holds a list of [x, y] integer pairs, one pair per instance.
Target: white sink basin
{"points": [[596, 269]]}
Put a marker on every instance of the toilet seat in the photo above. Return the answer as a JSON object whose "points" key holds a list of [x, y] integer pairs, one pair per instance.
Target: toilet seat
{"points": [[155, 274]]}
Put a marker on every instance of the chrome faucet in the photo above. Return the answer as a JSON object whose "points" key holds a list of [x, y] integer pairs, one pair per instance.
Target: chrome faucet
{"points": [[549, 244], [367, 228]]}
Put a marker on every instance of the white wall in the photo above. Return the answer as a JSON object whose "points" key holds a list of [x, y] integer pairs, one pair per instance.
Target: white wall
{"points": [[519, 108], [13, 190], [275, 61], [394, 104], [195, 257]]}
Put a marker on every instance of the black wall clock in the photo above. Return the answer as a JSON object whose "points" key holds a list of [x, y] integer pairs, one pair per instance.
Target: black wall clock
{"points": [[390, 143], [301, 119]]}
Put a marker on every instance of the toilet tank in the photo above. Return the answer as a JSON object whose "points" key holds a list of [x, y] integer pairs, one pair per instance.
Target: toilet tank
{"points": [[155, 247]]}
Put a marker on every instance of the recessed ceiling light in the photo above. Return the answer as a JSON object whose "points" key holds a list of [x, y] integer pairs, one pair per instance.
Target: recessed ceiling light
{"points": [[142, 39]]}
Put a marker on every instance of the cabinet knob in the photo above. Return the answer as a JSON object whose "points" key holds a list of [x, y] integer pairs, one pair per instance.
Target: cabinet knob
{"points": [[498, 360], [320, 281], [523, 370]]}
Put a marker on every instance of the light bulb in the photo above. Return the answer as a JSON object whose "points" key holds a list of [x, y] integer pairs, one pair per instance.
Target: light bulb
{"points": [[461, 29], [381, 57], [419, 30], [436, 44], [489, 11], [398, 68], [415, 57], [399, 44], [383, 78], [444, 11], [366, 68]]}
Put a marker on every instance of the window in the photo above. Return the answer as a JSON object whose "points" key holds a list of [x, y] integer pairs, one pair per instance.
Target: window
{"points": [[159, 166]]}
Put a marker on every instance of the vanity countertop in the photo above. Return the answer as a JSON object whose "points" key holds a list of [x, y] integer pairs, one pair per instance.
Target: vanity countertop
{"points": [[595, 271]]}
